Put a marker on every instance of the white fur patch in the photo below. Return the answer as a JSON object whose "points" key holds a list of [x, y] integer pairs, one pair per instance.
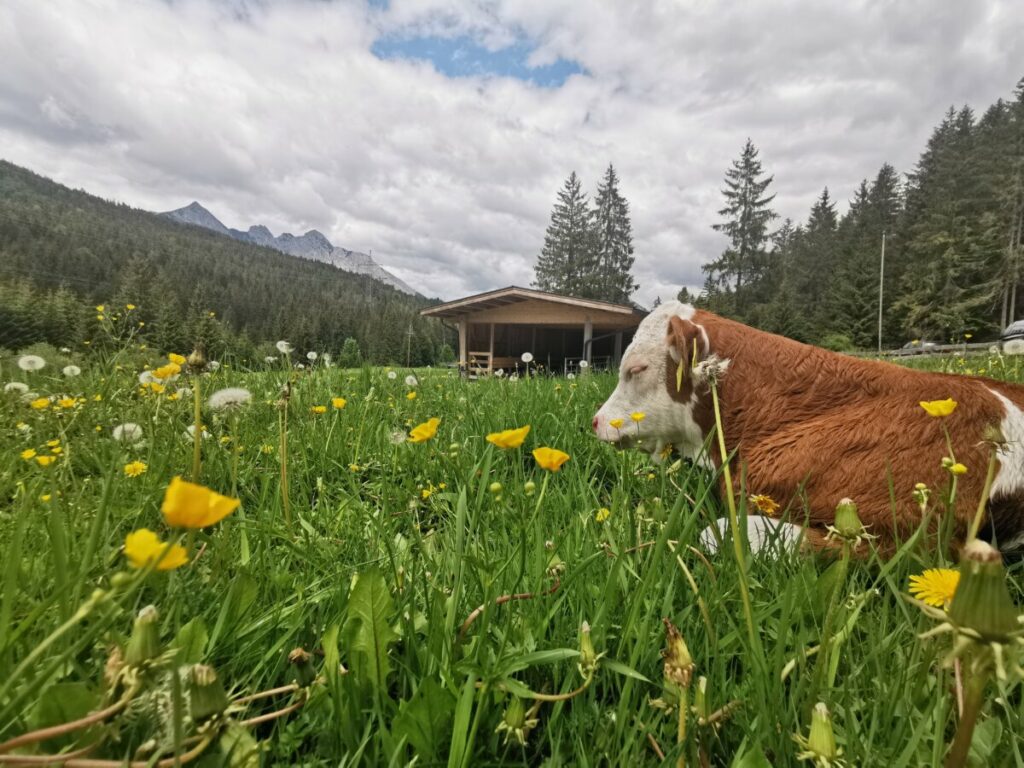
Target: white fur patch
{"points": [[763, 534], [1010, 477]]}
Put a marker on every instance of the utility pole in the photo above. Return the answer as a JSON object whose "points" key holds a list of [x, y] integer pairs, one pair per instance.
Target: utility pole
{"points": [[881, 289]]}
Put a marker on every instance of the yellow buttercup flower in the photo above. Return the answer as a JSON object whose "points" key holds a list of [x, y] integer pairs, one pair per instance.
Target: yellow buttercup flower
{"points": [[958, 469], [939, 408], [936, 586], [166, 371], [338, 403], [423, 432], [40, 403], [617, 423], [135, 468], [28, 454], [550, 459], [187, 505], [766, 505], [176, 359], [143, 547], [638, 416], [509, 438], [318, 409], [603, 514]]}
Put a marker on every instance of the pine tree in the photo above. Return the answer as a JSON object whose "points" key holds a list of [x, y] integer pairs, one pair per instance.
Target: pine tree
{"points": [[567, 258], [612, 280], [747, 215]]}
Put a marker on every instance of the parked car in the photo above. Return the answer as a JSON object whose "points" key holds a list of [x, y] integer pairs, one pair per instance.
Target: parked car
{"points": [[1014, 330], [917, 347]]}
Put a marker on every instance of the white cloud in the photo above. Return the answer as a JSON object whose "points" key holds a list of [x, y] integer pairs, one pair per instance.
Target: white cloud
{"points": [[277, 112]]}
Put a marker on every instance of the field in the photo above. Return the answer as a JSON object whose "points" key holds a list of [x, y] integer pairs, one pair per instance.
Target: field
{"points": [[457, 604]]}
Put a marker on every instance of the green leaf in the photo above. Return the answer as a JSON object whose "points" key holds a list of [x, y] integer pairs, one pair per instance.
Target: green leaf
{"points": [[622, 669], [424, 721], [62, 703], [368, 628], [539, 657], [753, 757], [987, 738], [191, 641]]}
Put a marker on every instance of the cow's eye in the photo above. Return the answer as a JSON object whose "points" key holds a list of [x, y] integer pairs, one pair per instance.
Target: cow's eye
{"points": [[635, 369]]}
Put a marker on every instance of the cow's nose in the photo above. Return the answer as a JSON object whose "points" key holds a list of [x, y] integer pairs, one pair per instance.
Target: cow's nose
{"points": [[595, 423]]}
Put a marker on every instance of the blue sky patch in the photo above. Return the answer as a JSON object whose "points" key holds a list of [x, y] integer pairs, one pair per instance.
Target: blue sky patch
{"points": [[463, 57]]}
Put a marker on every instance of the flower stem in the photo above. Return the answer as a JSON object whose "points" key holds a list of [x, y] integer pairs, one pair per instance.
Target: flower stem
{"points": [[738, 541], [973, 698], [197, 434], [983, 501]]}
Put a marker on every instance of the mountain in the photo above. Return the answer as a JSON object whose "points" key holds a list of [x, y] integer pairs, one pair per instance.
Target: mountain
{"points": [[64, 251], [312, 245]]}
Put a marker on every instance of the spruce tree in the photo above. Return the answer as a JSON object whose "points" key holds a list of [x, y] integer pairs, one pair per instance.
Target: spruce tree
{"points": [[567, 258], [747, 214], [612, 279]]}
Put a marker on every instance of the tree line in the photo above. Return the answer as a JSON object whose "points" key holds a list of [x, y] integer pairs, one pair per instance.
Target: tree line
{"points": [[63, 251], [954, 241], [588, 248]]}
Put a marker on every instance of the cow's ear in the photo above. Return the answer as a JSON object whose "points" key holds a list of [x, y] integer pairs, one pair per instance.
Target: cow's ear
{"points": [[687, 342]]}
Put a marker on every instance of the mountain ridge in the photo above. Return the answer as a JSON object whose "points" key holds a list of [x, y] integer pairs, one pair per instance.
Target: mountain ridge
{"points": [[312, 245]]}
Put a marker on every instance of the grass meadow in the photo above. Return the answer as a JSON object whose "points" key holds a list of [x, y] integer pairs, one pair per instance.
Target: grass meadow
{"points": [[454, 602]]}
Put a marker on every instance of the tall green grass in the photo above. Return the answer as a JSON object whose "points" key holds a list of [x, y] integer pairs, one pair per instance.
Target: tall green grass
{"points": [[392, 546]]}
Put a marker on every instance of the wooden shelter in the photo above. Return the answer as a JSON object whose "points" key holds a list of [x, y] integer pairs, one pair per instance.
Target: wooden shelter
{"points": [[497, 327]]}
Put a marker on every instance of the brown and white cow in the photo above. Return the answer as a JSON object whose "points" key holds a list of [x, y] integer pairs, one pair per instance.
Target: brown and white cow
{"points": [[810, 426]]}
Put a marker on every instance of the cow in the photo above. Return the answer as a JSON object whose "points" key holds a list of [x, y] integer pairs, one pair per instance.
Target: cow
{"points": [[807, 427]]}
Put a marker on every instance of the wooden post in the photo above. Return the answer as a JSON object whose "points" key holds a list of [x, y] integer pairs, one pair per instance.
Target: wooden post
{"points": [[618, 349], [490, 363], [463, 344], [588, 334]]}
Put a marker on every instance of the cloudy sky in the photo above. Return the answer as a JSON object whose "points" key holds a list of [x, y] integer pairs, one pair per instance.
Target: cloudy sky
{"points": [[437, 133]]}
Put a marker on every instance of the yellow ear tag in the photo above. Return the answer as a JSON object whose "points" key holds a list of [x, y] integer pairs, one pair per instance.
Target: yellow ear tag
{"points": [[680, 372]]}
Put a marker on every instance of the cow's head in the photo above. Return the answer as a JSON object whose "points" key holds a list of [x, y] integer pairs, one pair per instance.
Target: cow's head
{"points": [[664, 376]]}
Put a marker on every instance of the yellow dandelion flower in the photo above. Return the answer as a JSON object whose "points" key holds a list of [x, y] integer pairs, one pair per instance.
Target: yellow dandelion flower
{"points": [[338, 403], [135, 468], [958, 469], [603, 514], [143, 547], [28, 454], [176, 359], [45, 461], [40, 403], [638, 416], [764, 504], [318, 409], [509, 438], [67, 402], [46, 497], [129, 307], [939, 408], [936, 586], [187, 505], [550, 459], [56, 450], [53, 443], [167, 371], [174, 396], [617, 423], [353, 467], [423, 432], [97, 398], [266, 449], [410, 395]]}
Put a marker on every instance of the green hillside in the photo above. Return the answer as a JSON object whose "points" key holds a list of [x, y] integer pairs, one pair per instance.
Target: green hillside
{"points": [[62, 251]]}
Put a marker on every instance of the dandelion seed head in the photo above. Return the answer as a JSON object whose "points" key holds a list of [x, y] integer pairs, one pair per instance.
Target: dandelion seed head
{"points": [[228, 398], [411, 381], [212, 366], [283, 347], [270, 359], [71, 371], [392, 375], [16, 386], [31, 363], [146, 378], [312, 356], [584, 364], [526, 357], [127, 433]]}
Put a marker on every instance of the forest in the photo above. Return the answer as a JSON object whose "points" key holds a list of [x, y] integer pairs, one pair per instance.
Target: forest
{"points": [[954, 240], [63, 251]]}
